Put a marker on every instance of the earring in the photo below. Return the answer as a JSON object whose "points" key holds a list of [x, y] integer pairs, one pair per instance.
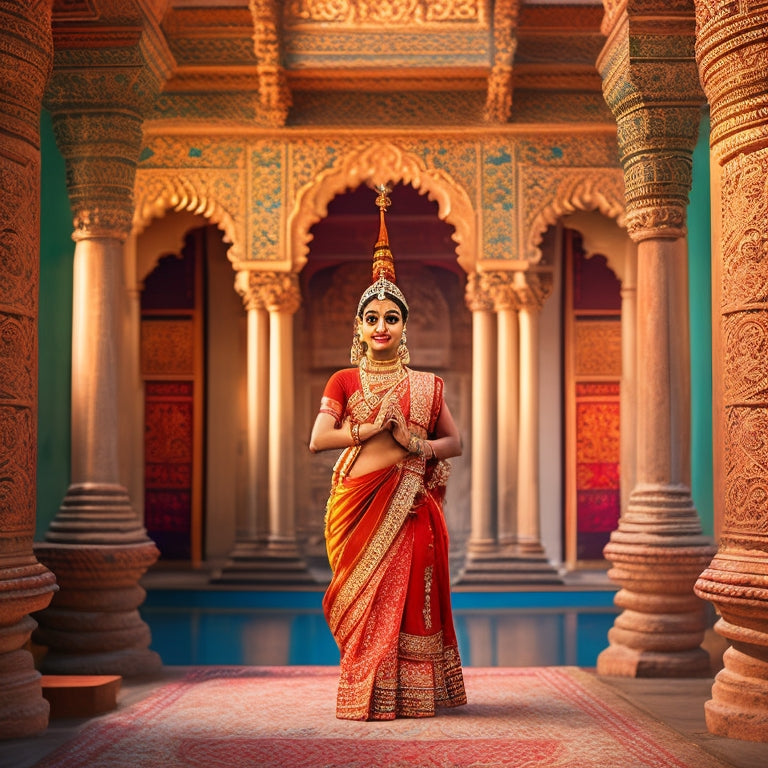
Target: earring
{"points": [[356, 353], [359, 347], [402, 350]]}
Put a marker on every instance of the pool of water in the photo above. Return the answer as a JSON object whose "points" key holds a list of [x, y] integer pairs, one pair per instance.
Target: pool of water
{"points": [[522, 628]]}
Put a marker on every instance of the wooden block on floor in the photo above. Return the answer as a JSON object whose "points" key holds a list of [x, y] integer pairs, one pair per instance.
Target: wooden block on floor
{"points": [[80, 695]]}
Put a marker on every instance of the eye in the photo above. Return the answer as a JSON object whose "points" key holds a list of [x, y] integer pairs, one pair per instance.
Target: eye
{"points": [[392, 319], [371, 319]]}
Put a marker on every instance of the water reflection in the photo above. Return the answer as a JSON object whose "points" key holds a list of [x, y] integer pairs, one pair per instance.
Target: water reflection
{"points": [[239, 628]]}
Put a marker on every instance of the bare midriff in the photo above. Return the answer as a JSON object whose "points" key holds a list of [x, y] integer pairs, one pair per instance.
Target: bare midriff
{"points": [[379, 451]]}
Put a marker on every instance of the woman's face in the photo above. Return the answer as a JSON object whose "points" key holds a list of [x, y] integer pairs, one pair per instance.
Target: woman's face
{"points": [[382, 328]]}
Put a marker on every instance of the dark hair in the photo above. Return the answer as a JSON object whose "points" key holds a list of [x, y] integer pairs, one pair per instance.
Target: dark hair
{"points": [[391, 297]]}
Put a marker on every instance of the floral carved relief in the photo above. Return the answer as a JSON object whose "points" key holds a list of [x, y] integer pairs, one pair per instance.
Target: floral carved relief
{"points": [[372, 164]]}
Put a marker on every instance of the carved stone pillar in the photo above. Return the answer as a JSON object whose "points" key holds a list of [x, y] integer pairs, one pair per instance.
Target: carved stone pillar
{"points": [[504, 423], [506, 303], [628, 399], [26, 51], [96, 545], [482, 538], [732, 52], [266, 550], [658, 549], [532, 289]]}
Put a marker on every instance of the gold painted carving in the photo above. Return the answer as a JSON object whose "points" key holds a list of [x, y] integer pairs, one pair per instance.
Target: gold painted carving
{"points": [[379, 163], [498, 104], [157, 192], [598, 348], [167, 347], [562, 191], [273, 291], [358, 13], [274, 96]]}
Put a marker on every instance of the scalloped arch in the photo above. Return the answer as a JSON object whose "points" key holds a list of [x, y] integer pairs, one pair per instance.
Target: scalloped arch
{"points": [[375, 164], [601, 191], [157, 194]]}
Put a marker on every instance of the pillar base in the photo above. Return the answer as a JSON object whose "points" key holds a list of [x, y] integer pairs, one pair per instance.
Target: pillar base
{"points": [[93, 626], [25, 586], [739, 705], [23, 710], [735, 583], [506, 566], [272, 563], [620, 661]]}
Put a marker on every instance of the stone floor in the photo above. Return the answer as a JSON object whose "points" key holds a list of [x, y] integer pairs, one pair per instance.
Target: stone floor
{"points": [[678, 703]]}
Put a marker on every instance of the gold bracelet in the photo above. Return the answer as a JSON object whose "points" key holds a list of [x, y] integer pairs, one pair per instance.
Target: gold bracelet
{"points": [[414, 445], [354, 430]]}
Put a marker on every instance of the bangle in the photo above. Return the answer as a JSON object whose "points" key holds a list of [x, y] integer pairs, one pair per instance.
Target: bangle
{"points": [[354, 430], [414, 445]]}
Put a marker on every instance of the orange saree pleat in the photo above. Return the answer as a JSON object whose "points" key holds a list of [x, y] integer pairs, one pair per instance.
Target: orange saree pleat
{"points": [[388, 603]]}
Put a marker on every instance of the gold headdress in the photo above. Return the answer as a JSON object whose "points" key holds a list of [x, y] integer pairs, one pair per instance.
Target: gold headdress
{"points": [[383, 285], [383, 261]]}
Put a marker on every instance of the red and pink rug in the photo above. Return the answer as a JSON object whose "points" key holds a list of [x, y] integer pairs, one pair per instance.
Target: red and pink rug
{"points": [[548, 717]]}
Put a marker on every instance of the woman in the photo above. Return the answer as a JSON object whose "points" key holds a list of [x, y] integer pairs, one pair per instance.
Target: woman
{"points": [[388, 603]]}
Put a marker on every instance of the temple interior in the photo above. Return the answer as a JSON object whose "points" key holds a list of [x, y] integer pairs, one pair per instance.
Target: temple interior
{"points": [[579, 219]]}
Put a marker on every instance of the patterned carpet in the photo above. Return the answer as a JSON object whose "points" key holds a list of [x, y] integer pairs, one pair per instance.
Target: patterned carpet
{"points": [[548, 717]]}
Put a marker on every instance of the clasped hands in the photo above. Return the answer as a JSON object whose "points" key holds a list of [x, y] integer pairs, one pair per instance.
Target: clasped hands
{"points": [[391, 418]]}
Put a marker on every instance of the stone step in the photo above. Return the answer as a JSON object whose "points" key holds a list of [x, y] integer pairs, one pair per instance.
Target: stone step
{"points": [[80, 695]]}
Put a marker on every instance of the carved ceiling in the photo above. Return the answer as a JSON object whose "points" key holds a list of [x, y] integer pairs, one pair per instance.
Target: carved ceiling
{"points": [[294, 57]]}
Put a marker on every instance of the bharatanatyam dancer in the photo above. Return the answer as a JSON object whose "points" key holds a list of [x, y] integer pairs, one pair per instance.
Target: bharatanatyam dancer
{"points": [[388, 603]]}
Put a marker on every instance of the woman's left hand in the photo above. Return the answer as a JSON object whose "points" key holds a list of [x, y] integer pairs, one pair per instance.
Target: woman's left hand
{"points": [[399, 427]]}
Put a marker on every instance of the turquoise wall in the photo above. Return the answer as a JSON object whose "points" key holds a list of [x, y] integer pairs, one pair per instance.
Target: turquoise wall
{"points": [[700, 290], [55, 330]]}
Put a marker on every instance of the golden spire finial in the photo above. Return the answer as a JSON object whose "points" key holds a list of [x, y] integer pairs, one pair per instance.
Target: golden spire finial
{"points": [[383, 263]]}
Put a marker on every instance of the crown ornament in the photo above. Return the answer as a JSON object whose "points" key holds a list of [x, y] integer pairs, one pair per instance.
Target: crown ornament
{"points": [[383, 261]]}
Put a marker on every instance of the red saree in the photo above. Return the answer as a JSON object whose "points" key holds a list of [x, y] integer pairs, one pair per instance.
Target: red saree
{"points": [[388, 603]]}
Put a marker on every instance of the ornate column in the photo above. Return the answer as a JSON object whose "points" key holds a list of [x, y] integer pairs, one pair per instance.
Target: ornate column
{"points": [[651, 84], [532, 290], [732, 52], [266, 551], [501, 288], [26, 52], [96, 545], [503, 426], [628, 396], [482, 539]]}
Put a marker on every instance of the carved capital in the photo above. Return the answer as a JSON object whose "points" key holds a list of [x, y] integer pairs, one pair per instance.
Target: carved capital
{"points": [[650, 82], [476, 295], [533, 289], [500, 287], [272, 291], [101, 87]]}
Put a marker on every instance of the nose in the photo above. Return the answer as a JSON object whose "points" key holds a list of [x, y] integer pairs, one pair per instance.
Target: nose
{"points": [[381, 325]]}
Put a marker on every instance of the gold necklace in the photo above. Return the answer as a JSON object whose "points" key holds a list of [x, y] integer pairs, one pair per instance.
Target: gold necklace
{"points": [[379, 377]]}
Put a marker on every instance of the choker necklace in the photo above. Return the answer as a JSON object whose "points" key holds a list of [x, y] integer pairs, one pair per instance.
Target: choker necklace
{"points": [[379, 377]]}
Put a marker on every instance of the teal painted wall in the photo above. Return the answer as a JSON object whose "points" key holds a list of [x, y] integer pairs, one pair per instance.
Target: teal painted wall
{"points": [[55, 330], [700, 289]]}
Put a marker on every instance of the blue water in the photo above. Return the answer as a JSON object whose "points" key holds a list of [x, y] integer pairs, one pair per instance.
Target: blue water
{"points": [[530, 628]]}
